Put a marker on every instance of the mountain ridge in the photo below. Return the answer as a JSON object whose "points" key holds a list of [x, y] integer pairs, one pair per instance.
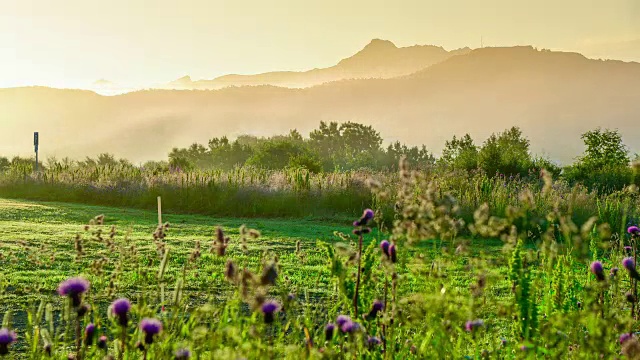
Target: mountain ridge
{"points": [[552, 96]]}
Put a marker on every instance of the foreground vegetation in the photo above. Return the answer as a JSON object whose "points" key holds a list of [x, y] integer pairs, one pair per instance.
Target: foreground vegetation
{"points": [[529, 283]]}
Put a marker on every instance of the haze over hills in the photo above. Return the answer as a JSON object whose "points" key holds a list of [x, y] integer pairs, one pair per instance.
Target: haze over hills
{"points": [[380, 59], [552, 96]]}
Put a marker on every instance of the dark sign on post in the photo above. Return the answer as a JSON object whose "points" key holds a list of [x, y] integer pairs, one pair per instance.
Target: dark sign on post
{"points": [[36, 142]]}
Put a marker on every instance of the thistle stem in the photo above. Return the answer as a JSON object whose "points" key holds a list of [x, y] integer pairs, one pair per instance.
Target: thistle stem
{"points": [[355, 296]]}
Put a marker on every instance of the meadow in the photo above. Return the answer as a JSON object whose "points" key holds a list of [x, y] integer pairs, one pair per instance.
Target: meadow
{"points": [[444, 266], [323, 248]]}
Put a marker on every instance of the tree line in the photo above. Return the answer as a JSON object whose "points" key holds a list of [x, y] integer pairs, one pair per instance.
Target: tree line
{"points": [[335, 147]]}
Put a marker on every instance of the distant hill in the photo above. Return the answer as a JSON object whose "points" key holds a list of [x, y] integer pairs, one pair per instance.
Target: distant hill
{"points": [[552, 96], [380, 59]]}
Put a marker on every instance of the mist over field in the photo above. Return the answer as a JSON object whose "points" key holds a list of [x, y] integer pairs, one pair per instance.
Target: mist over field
{"points": [[417, 95]]}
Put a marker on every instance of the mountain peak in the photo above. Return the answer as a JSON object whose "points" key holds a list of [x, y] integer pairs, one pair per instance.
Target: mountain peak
{"points": [[379, 44]]}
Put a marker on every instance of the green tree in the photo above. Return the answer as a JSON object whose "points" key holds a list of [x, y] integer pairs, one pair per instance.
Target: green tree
{"points": [[460, 153], [506, 153], [604, 148], [4, 164]]}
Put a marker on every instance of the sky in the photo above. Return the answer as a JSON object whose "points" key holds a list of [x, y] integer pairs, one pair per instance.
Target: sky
{"points": [[73, 43]]}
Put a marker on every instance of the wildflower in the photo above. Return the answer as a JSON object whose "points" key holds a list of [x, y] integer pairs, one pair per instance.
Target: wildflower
{"points": [[349, 327], [268, 308], [7, 337], [392, 253], [102, 342], [614, 271], [628, 248], [472, 325], [150, 327], [73, 288], [120, 308], [183, 354], [366, 217], [633, 230], [373, 341], [375, 309], [630, 265], [328, 331], [624, 337], [341, 319], [88, 334], [597, 270], [384, 246]]}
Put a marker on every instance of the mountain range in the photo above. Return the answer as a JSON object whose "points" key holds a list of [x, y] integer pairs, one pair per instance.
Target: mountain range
{"points": [[418, 95], [380, 59]]}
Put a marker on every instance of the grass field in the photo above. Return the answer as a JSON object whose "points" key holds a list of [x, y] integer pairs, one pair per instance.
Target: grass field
{"points": [[527, 298]]}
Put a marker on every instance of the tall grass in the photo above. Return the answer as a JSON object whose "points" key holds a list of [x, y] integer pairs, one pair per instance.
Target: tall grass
{"points": [[251, 192]]}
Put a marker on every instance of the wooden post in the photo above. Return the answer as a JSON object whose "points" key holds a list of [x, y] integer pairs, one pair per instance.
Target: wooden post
{"points": [[159, 211]]}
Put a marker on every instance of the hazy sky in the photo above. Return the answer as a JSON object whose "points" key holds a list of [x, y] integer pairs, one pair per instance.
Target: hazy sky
{"points": [[72, 43]]}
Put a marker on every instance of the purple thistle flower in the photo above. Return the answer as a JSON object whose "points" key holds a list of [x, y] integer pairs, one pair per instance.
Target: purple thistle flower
{"points": [[597, 270], [341, 319], [614, 271], [633, 230], [628, 248], [624, 337], [349, 327], [183, 354], [7, 337], [102, 342], [74, 288], [120, 308], [268, 308], [366, 217], [368, 214], [472, 325], [377, 305], [328, 331], [89, 331], [373, 341], [384, 246], [392, 253], [630, 265], [150, 327]]}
